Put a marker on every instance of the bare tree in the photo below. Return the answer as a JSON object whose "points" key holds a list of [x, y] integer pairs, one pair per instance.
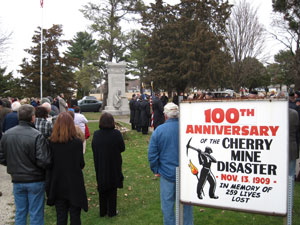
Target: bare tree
{"points": [[290, 39], [4, 42], [283, 34], [245, 38]]}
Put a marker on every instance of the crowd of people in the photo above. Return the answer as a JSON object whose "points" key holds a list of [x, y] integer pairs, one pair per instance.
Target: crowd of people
{"points": [[140, 114], [43, 145]]}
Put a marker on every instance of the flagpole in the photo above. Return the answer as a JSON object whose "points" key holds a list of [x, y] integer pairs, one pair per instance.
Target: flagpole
{"points": [[41, 60], [151, 98]]}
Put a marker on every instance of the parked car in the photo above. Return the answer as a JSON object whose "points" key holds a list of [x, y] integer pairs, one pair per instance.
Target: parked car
{"points": [[89, 98], [87, 104]]}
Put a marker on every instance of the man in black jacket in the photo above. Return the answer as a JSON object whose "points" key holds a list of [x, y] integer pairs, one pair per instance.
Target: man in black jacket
{"points": [[158, 111], [145, 115], [25, 152], [132, 111]]}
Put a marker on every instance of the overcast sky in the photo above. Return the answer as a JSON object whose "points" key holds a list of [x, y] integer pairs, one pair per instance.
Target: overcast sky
{"points": [[22, 17]]}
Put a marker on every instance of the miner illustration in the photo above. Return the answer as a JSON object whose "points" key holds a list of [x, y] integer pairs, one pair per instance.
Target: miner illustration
{"points": [[205, 159]]}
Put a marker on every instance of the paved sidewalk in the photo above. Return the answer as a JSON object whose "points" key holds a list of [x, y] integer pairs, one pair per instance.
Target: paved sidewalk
{"points": [[7, 207]]}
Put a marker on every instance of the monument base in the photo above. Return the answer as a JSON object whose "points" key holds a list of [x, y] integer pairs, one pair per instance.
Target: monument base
{"points": [[116, 112]]}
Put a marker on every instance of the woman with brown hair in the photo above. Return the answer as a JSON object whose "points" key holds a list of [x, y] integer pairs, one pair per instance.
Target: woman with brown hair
{"points": [[107, 145], [67, 191]]}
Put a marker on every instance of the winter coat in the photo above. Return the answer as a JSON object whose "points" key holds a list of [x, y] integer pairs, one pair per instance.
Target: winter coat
{"points": [[293, 129], [25, 152], [144, 113], [158, 111], [137, 112], [107, 145], [132, 109], [66, 179]]}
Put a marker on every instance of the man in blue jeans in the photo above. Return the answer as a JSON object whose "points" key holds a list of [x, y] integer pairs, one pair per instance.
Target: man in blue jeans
{"points": [[163, 157], [24, 150]]}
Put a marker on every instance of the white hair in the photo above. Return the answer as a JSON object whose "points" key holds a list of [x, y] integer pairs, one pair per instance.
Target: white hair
{"points": [[15, 106], [171, 110]]}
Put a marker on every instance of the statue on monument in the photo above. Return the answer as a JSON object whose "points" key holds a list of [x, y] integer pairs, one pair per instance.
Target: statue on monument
{"points": [[117, 102]]}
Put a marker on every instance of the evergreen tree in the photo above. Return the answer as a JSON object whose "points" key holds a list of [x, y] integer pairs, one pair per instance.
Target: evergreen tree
{"points": [[83, 52], [186, 44], [8, 84], [57, 74], [256, 74], [282, 70], [136, 57], [285, 61], [82, 44]]}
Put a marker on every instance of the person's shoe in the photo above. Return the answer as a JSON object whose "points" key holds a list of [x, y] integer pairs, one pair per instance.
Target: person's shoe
{"points": [[214, 197], [117, 213]]}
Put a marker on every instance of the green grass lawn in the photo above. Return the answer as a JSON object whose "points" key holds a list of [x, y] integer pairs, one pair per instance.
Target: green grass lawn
{"points": [[139, 201], [96, 116], [92, 115]]}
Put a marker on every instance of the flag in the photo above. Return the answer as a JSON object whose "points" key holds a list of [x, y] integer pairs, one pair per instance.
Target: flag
{"points": [[42, 3]]}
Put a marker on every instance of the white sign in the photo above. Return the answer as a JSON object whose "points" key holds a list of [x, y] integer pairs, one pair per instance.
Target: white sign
{"points": [[234, 155]]}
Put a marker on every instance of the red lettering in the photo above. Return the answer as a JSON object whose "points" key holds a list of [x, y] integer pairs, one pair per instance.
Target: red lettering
{"points": [[219, 112], [274, 130], [219, 129], [232, 115], [198, 129], [236, 130], [213, 129], [223, 176], [243, 111], [206, 129], [254, 131], [263, 130], [229, 177], [227, 130], [250, 112], [245, 130], [207, 115], [189, 129]]}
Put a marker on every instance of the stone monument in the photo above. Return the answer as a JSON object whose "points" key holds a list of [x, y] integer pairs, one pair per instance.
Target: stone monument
{"points": [[117, 102]]}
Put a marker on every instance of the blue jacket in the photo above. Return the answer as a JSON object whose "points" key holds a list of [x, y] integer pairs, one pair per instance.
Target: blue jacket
{"points": [[163, 150], [11, 120]]}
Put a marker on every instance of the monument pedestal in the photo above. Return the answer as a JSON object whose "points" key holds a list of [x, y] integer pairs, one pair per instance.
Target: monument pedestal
{"points": [[118, 112], [117, 102]]}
